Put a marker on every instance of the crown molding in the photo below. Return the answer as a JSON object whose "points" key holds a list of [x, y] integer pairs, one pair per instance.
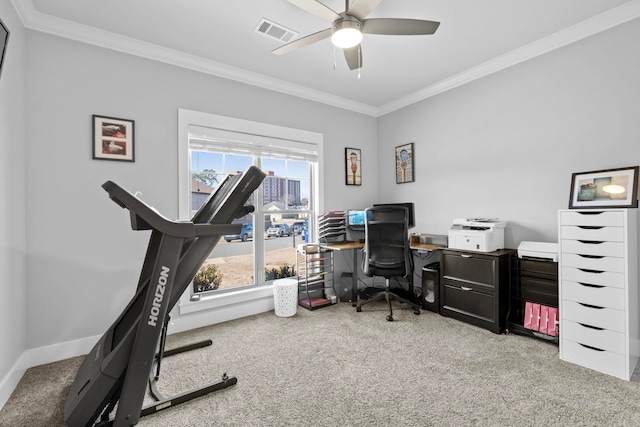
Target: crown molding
{"points": [[606, 20], [34, 20]]}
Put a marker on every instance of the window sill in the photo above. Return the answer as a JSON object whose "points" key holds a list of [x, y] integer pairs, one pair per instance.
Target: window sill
{"points": [[186, 306]]}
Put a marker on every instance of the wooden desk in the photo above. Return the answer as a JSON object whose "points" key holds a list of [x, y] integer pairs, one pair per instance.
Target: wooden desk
{"points": [[427, 247], [353, 246]]}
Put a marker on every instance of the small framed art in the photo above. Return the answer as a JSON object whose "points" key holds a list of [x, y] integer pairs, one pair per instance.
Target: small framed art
{"points": [[609, 188], [353, 166], [113, 139], [404, 164]]}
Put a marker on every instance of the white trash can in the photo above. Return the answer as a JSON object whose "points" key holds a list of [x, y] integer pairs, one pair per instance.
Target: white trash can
{"points": [[285, 297]]}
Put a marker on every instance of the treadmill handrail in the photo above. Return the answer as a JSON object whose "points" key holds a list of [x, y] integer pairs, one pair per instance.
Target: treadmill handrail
{"points": [[144, 217]]}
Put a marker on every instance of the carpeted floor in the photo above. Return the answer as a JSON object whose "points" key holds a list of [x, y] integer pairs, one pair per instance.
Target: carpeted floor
{"points": [[336, 367]]}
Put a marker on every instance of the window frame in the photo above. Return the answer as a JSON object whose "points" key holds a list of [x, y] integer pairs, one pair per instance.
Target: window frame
{"points": [[187, 118]]}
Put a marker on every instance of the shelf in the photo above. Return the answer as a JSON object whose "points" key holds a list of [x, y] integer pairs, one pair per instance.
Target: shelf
{"points": [[517, 328], [533, 281], [315, 278], [313, 303]]}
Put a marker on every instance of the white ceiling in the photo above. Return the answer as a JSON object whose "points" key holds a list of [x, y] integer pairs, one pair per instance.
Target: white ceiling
{"points": [[475, 38]]}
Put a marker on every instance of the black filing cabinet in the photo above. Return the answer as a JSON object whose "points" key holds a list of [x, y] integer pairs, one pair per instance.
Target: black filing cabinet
{"points": [[474, 287], [534, 280]]}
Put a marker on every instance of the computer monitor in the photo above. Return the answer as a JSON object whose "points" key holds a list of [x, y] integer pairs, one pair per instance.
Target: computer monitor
{"points": [[408, 205], [355, 219]]}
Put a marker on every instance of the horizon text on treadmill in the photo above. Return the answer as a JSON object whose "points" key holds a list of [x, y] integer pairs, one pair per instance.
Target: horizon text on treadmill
{"points": [[157, 300]]}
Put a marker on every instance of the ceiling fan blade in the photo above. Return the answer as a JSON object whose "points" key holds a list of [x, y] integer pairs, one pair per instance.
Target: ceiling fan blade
{"points": [[361, 8], [353, 55], [301, 42], [398, 26], [316, 8]]}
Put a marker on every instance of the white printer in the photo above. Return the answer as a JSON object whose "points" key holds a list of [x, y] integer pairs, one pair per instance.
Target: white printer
{"points": [[477, 234], [538, 250]]}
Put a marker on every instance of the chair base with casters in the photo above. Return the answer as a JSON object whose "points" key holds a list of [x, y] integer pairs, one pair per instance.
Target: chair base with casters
{"points": [[389, 296]]}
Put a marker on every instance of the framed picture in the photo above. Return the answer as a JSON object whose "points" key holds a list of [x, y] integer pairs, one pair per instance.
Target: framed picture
{"points": [[353, 166], [610, 188], [113, 139], [404, 164], [4, 40]]}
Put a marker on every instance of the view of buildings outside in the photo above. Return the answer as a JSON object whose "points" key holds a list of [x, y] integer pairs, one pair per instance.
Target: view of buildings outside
{"points": [[284, 195]]}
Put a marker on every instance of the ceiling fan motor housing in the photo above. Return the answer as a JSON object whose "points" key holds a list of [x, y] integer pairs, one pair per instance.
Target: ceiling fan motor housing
{"points": [[347, 32]]}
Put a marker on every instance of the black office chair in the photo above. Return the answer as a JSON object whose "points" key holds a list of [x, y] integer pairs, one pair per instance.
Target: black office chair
{"points": [[386, 252]]}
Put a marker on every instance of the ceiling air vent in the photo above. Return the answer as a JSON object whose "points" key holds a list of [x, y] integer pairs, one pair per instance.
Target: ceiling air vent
{"points": [[275, 31]]}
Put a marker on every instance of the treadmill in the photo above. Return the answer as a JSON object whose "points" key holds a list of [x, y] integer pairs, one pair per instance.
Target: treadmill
{"points": [[114, 375]]}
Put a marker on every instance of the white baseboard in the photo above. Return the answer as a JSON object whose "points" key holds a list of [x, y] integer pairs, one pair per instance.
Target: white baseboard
{"points": [[56, 352], [9, 383], [40, 356]]}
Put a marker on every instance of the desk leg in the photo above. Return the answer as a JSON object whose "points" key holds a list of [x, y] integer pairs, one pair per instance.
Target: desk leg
{"points": [[354, 279]]}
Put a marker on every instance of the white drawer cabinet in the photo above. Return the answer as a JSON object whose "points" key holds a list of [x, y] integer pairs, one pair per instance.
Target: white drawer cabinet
{"points": [[599, 296], [598, 289], [607, 234], [589, 262]]}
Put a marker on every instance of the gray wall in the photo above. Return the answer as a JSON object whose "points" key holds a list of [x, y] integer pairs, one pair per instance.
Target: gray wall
{"points": [[503, 146], [84, 259], [506, 145], [12, 200]]}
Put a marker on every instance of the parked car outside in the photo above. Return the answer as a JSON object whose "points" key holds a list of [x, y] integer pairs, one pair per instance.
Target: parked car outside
{"points": [[245, 234], [278, 230], [298, 226]]}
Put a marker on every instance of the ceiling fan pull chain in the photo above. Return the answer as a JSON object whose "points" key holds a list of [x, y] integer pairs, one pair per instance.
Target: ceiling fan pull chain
{"points": [[359, 61], [334, 58]]}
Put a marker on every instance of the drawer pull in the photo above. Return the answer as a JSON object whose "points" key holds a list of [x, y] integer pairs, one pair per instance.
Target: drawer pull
{"points": [[591, 242], [591, 327], [591, 256], [589, 285], [466, 256], [590, 306], [590, 227], [590, 271], [464, 288], [590, 213], [591, 348]]}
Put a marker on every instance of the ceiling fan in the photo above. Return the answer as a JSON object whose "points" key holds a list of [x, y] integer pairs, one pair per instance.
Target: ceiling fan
{"points": [[347, 28]]}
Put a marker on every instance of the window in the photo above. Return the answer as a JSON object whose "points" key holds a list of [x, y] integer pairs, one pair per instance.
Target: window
{"points": [[286, 204]]}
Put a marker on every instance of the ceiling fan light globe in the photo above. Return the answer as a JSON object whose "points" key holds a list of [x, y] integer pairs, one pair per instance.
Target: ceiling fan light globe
{"points": [[346, 34]]}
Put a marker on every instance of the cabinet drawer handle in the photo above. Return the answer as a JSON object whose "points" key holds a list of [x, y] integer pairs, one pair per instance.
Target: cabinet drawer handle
{"points": [[591, 348], [466, 256], [590, 271], [590, 306], [464, 288], [589, 285], [590, 242], [590, 213], [590, 227], [591, 256], [591, 327]]}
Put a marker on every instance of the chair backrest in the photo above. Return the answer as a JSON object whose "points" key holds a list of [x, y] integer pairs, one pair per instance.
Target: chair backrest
{"points": [[386, 247]]}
